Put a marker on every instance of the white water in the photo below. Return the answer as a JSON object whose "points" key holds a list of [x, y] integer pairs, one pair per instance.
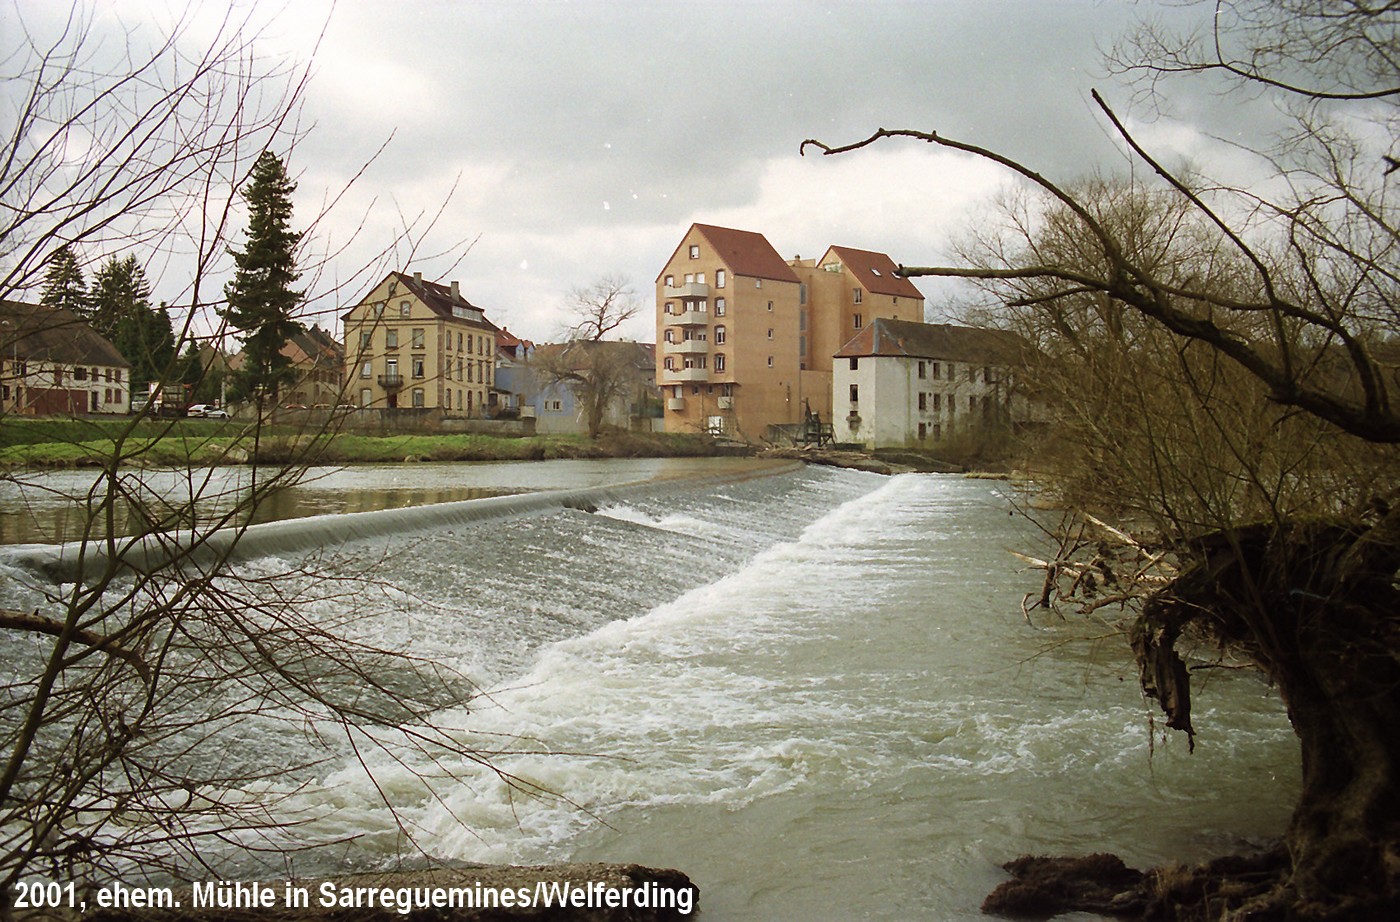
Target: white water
{"points": [[815, 694]]}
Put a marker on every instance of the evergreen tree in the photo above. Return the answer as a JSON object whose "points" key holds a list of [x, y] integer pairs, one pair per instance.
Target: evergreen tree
{"points": [[146, 338], [119, 289], [64, 285], [260, 297]]}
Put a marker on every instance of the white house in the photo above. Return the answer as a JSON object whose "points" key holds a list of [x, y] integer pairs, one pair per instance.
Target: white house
{"points": [[53, 363], [904, 384]]}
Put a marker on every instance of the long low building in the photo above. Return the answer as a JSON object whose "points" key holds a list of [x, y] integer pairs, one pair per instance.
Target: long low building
{"points": [[902, 384], [53, 363]]}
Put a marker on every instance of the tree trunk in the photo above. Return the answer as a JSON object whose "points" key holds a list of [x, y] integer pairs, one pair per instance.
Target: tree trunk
{"points": [[1317, 607]]}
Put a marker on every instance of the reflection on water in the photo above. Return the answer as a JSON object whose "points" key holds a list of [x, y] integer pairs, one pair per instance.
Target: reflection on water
{"points": [[49, 507]]}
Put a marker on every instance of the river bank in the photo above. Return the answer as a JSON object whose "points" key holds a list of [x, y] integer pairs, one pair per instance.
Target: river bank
{"points": [[79, 442]]}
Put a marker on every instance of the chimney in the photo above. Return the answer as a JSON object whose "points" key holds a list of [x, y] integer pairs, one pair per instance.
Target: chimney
{"points": [[418, 278], [456, 291]]}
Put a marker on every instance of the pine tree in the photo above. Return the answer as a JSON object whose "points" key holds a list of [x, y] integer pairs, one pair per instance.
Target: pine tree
{"points": [[260, 297], [121, 310], [64, 286], [119, 289]]}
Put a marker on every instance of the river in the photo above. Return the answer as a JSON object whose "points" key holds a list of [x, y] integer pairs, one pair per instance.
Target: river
{"points": [[814, 693]]}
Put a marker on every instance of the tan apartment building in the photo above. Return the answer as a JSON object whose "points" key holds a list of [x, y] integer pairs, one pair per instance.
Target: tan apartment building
{"points": [[415, 344], [745, 338]]}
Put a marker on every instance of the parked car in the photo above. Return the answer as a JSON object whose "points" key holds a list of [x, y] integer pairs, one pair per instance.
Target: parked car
{"points": [[207, 411]]}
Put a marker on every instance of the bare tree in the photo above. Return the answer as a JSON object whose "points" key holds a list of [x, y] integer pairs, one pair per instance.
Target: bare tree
{"points": [[1225, 390], [127, 676], [600, 373]]}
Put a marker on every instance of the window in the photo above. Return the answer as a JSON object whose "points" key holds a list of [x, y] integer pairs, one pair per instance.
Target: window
{"points": [[391, 339], [720, 333], [855, 393], [770, 361], [802, 346], [57, 376], [366, 397], [857, 321], [770, 332], [857, 295], [670, 335], [417, 337], [379, 308], [802, 293], [366, 369], [700, 277], [418, 397], [937, 403], [719, 361], [923, 369], [937, 432], [719, 278], [365, 340], [459, 341], [391, 369], [460, 373], [669, 308], [405, 308], [758, 283], [670, 281], [80, 373], [855, 363], [934, 370], [470, 379], [694, 251], [971, 375], [20, 372], [923, 431], [719, 307], [770, 307], [951, 367], [418, 366], [923, 406], [669, 364]]}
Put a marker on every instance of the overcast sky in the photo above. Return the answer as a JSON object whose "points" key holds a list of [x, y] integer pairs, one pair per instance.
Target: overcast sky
{"points": [[583, 138]]}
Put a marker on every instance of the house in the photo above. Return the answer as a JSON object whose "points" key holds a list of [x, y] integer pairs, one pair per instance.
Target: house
{"points": [[745, 338], [559, 407], [319, 362], [411, 343], [53, 362], [513, 391], [901, 384]]}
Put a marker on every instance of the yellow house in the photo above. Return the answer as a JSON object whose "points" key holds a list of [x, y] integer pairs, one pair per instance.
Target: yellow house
{"points": [[415, 344], [745, 339]]}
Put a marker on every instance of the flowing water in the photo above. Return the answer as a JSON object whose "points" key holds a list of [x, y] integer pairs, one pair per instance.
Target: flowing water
{"points": [[815, 693]]}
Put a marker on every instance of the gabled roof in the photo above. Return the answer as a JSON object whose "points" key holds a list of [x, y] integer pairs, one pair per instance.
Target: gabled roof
{"points": [[36, 332], [943, 341], [874, 271], [746, 253], [439, 299]]}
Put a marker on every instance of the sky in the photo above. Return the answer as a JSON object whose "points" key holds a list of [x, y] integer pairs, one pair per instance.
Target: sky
{"points": [[559, 142]]}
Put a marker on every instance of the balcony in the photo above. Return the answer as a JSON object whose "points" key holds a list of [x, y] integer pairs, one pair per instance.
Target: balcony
{"points": [[688, 319], [675, 403], [391, 382], [687, 347], [677, 375], [690, 291]]}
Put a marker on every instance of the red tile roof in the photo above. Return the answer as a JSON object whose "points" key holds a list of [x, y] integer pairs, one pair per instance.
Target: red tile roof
{"points": [[746, 253], [875, 272]]}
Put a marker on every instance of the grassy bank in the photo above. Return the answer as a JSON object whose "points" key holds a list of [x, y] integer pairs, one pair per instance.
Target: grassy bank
{"points": [[90, 442]]}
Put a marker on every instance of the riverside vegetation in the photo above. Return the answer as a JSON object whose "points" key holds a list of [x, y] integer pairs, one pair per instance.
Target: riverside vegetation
{"points": [[91, 442]]}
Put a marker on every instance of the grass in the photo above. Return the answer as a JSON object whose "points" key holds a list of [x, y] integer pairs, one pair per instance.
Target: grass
{"points": [[80, 442]]}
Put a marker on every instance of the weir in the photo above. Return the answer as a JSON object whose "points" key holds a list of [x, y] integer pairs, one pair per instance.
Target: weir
{"points": [[79, 561]]}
